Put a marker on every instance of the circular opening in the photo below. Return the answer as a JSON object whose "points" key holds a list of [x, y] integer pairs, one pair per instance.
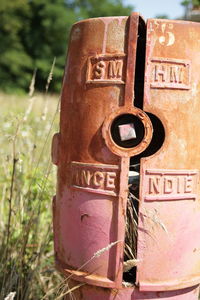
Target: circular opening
{"points": [[157, 141], [127, 131]]}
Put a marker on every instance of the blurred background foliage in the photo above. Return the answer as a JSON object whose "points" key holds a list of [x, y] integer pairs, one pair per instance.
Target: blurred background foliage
{"points": [[33, 32], [195, 3], [192, 10]]}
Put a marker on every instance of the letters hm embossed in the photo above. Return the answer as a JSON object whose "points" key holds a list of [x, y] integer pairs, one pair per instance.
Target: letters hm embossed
{"points": [[170, 74], [170, 185], [106, 69], [102, 179]]}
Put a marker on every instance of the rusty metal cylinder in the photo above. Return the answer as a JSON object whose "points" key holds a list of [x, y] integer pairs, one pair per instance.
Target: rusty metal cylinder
{"points": [[118, 106]]}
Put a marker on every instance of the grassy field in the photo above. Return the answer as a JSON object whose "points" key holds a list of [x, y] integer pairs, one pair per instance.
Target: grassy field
{"points": [[27, 184]]}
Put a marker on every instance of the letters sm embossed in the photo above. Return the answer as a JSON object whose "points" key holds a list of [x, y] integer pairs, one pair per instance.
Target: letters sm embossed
{"points": [[170, 185], [96, 178], [106, 69]]}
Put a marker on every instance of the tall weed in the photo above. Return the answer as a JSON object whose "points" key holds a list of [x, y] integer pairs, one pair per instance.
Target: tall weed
{"points": [[27, 184]]}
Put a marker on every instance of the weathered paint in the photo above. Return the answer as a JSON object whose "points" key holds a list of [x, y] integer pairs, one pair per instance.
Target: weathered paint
{"points": [[89, 173], [90, 204], [87, 292], [169, 190]]}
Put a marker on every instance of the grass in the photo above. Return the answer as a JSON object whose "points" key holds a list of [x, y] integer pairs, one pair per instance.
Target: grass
{"points": [[27, 184]]}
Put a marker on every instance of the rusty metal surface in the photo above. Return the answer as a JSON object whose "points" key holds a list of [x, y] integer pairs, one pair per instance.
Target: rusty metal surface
{"points": [[90, 204], [92, 189], [92, 181], [169, 221]]}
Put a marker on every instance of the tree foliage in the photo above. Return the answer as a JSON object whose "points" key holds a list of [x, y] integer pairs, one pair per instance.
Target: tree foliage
{"points": [[194, 3], [33, 32]]}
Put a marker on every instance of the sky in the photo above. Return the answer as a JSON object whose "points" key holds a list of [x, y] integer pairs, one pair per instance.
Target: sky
{"points": [[151, 8]]}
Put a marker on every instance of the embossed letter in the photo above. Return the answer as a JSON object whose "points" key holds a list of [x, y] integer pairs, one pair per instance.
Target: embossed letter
{"points": [[98, 178], [160, 73], [99, 69], [168, 185], [176, 74], [115, 69], [85, 177], [110, 180], [154, 185], [188, 184]]}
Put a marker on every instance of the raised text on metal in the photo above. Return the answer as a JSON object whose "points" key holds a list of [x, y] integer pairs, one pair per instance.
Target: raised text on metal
{"points": [[170, 73], [106, 69], [96, 178], [170, 185]]}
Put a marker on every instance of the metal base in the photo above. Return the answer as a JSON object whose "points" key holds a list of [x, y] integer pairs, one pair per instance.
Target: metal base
{"points": [[88, 292]]}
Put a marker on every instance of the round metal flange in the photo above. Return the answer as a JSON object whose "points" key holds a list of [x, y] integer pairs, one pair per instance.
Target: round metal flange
{"points": [[123, 151]]}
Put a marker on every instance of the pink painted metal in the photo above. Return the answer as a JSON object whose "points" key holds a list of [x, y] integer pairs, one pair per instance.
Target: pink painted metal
{"points": [[90, 205], [87, 292], [169, 226]]}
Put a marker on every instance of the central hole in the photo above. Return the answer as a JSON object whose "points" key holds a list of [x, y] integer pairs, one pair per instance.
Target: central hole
{"points": [[127, 131]]}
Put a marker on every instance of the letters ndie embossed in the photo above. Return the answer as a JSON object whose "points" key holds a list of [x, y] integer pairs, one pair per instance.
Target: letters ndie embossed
{"points": [[127, 206], [170, 185]]}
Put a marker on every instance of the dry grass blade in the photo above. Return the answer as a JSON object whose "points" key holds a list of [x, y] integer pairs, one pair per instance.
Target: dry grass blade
{"points": [[129, 264], [32, 84], [131, 228], [96, 254], [69, 290], [50, 77], [153, 215], [26, 189], [101, 251], [64, 284], [10, 296]]}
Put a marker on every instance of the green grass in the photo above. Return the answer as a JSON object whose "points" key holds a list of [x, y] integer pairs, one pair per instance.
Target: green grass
{"points": [[27, 184]]}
